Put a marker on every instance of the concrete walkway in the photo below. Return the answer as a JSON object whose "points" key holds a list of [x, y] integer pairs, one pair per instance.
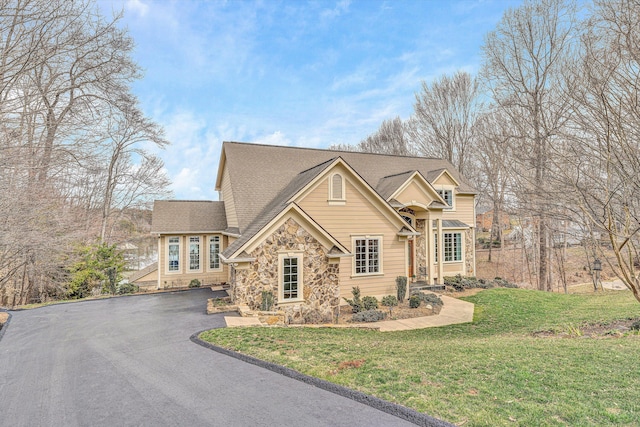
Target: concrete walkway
{"points": [[454, 311]]}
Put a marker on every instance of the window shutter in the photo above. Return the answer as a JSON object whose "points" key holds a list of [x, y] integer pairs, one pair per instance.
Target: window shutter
{"points": [[336, 187]]}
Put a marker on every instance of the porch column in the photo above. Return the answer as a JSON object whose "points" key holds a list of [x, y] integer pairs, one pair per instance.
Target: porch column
{"points": [[428, 231], [159, 260], [440, 251]]}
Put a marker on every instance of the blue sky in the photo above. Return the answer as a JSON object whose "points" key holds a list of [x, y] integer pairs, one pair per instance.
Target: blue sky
{"points": [[300, 73]]}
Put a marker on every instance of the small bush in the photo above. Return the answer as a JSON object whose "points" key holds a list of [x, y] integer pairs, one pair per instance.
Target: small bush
{"points": [[414, 301], [195, 283], [460, 283], [635, 326], [401, 287], [126, 288], [432, 299], [369, 303], [356, 302], [368, 316], [390, 301], [267, 301]]}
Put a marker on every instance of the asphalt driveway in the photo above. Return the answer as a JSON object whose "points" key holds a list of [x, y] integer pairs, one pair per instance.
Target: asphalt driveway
{"points": [[129, 362]]}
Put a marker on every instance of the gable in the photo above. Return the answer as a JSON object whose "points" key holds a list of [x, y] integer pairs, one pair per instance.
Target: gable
{"points": [[316, 197], [416, 191], [445, 179], [299, 216]]}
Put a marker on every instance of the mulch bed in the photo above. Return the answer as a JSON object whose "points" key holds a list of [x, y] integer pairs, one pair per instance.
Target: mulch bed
{"points": [[402, 311], [597, 330]]}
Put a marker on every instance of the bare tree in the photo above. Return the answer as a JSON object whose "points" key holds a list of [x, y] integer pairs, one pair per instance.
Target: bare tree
{"points": [[65, 74], [523, 65], [602, 162], [444, 121], [390, 138]]}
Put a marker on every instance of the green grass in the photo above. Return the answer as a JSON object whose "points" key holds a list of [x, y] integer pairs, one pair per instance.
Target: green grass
{"points": [[491, 372]]}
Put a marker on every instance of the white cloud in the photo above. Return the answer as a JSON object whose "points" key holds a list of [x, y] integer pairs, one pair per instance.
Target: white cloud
{"points": [[341, 7], [276, 138], [137, 6]]}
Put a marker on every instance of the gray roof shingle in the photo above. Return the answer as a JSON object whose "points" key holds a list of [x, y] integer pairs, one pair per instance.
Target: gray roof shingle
{"points": [[259, 173], [188, 216]]}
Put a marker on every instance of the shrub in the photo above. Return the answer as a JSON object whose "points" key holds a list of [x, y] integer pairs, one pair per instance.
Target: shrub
{"points": [[635, 326], [368, 316], [369, 303], [390, 301], [195, 283], [432, 299], [126, 288], [414, 301], [401, 287], [356, 302], [267, 301], [460, 283]]}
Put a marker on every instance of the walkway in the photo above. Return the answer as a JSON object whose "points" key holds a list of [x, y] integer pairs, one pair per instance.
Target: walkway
{"points": [[453, 312]]}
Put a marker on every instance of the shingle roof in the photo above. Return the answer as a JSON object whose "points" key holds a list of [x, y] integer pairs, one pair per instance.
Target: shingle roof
{"points": [[188, 216], [258, 173], [276, 205], [452, 223], [389, 184]]}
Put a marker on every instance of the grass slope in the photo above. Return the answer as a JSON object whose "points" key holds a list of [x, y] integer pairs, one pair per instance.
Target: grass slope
{"points": [[491, 372]]}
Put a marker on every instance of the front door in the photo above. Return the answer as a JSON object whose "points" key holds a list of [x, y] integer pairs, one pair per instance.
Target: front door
{"points": [[410, 259]]}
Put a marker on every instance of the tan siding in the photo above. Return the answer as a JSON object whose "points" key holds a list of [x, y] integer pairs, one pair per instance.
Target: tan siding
{"points": [[451, 269], [443, 179], [358, 217], [182, 278], [414, 192], [463, 211], [229, 203]]}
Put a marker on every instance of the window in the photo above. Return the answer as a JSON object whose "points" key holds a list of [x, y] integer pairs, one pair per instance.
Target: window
{"points": [[194, 253], [336, 188], [290, 277], [435, 247], [447, 195], [452, 247], [214, 252], [367, 255], [174, 253]]}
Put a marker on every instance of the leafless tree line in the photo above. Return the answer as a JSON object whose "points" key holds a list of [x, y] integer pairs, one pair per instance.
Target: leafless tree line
{"points": [[72, 138], [548, 129]]}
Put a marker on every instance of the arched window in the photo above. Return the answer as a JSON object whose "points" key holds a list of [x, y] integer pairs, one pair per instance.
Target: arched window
{"points": [[336, 187]]}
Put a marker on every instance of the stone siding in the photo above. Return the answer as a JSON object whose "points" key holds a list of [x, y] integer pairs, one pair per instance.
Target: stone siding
{"points": [[469, 248], [320, 278]]}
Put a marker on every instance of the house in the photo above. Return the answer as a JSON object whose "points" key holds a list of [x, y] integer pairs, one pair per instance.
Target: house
{"points": [[307, 225], [484, 219]]}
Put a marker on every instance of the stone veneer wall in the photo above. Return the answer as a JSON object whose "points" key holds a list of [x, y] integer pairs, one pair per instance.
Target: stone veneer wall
{"points": [[469, 243], [421, 246], [320, 279]]}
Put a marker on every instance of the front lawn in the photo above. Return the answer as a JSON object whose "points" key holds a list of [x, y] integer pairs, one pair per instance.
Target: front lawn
{"points": [[525, 360]]}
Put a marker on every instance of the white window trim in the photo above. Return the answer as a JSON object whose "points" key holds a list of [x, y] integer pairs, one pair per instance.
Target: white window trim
{"points": [[451, 188], [290, 254], [199, 269], [462, 250], [340, 201], [209, 253], [380, 239], [167, 243]]}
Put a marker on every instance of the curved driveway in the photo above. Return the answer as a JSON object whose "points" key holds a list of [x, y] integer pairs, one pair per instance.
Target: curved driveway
{"points": [[129, 362]]}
